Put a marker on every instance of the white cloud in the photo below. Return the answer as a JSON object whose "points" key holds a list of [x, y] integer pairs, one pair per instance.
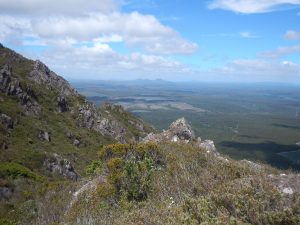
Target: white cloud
{"points": [[292, 35], [282, 51], [100, 61], [258, 70], [246, 34], [134, 29], [250, 6], [78, 36], [57, 7]]}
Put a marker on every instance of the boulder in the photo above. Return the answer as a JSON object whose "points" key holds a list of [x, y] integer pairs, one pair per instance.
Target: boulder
{"points": [[61, 167], [6, 192], [62, 104], [208, 146], [6, 122], [44, 136], [76, 142]]}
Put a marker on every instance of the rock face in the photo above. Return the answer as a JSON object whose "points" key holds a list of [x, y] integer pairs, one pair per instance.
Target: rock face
{"points": [[42, 75], [10, 85], [61, 167], [105, 123]]}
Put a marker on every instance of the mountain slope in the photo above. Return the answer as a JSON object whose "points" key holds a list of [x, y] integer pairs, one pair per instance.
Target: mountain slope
{"points": [[49, 130]]}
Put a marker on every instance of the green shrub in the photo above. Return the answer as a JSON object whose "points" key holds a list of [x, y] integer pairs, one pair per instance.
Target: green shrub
{"points": [[114, 150], [15, 170], [7, 222], [94, 167], [106, 190], [137, 179]]}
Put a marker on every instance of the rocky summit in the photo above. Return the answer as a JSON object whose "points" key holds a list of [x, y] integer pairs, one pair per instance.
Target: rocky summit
{"points": [[63, 160]]}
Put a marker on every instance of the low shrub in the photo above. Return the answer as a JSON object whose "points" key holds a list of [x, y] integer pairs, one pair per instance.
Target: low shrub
{"points": [[15, 170], [137, 179], [7, 222], [94, 167]]}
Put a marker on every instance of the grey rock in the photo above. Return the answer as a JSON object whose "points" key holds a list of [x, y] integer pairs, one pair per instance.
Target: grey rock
{"points": [[92, 119], [88, 114], [7, 123], [60, 167], [137, 125], [4, 146], [76, 142], [208, 146], [112, 128], [44, 136], [6, 192], [42, 75], [10, 85], [182, 130], [62, 104], [179, 131]]}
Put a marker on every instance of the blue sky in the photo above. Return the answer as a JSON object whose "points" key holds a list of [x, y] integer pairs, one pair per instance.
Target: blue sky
{"points": [[212, 40]]}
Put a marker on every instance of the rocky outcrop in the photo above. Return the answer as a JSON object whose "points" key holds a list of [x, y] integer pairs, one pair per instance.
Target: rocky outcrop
{"points": [[42, 75], [73, 139], [7, 123], [62, 104], [181, 131], [92, 119], [112, 128], [207, 145], [60, 167], [178, 131], [88, 115], [10, 85]]}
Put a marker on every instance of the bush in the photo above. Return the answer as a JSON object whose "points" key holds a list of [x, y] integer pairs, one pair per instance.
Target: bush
{"points": [[106, 190], [137, 179], [15, 170], [94, 167], [130, 168], [7, 222], [113, 150]]}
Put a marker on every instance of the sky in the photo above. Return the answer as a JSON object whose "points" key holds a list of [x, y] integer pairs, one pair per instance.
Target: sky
{"points": [[177, 40]]}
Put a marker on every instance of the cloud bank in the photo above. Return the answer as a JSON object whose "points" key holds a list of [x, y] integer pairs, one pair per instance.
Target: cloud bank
{"points": [[250, 6]]}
